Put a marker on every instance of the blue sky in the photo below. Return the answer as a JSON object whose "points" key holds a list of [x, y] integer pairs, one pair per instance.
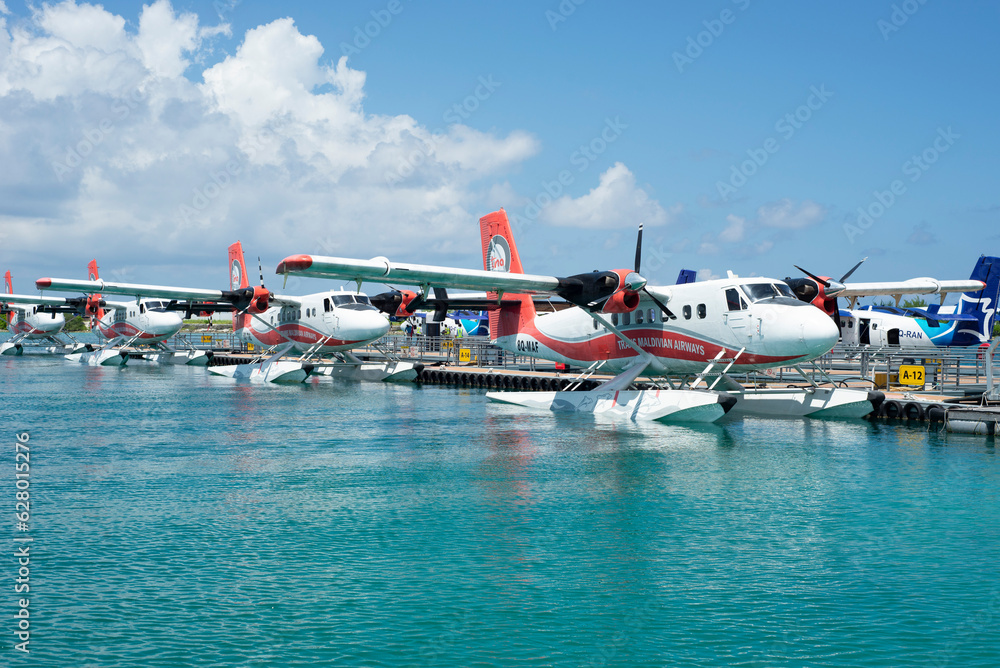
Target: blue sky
{"points": [[745, 135]]}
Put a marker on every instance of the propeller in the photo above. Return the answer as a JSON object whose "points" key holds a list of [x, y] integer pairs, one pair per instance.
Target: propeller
{"points": [[260, 268], [831, 289], [638, 263]]}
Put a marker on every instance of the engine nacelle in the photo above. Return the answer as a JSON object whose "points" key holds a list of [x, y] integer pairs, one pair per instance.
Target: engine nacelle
{"points": [[93, 305], [623, 301], [395, 303], [254, 300]]}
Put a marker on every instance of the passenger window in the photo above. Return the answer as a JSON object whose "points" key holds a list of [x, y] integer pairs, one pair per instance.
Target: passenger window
{"points": [[701, 311], [638, 317], [626, 319], [614, 319], [687, 312], [732, 300], [652, 315]]}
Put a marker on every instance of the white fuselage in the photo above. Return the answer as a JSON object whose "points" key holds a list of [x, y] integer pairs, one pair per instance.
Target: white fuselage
{"points": [[867, 327], [761, 327], [30, 323], [325, 322], [143, 321]]}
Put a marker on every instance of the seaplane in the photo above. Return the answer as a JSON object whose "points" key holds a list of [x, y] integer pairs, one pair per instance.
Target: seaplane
{"points": [[323, 328], [969, 323], [122, 324], [693, 335], [35, 318]]}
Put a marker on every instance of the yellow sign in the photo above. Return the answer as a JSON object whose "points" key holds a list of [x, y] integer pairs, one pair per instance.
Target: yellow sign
{"points": [[250, 347], [464, 355], [447, 344], [206, 338], [910, 374]]}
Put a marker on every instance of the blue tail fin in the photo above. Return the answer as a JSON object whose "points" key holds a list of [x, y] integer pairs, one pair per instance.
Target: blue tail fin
{"points": [[687, 276], [983, 304]]}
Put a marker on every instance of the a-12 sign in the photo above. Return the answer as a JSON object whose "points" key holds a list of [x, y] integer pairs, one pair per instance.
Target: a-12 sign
{"points": [[910, 374]]}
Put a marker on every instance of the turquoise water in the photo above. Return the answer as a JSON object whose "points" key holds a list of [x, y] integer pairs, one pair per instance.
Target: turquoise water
{"points": [[182, 519]]}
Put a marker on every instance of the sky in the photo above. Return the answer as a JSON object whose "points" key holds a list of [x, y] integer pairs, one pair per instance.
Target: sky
{"points": [[744, 135]]}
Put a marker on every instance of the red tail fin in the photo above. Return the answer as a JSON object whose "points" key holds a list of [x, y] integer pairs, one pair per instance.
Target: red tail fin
{"points": [[10, 290], [238, 279], [93, 301], [500, 254]]}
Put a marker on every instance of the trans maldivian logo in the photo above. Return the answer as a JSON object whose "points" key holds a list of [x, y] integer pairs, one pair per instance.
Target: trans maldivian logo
{"points": [[236, 276], [498, 254]]}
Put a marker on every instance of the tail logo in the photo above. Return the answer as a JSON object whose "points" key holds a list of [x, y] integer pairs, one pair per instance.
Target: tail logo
{"points": [[498, 254], [236, 276], [92, 277]]}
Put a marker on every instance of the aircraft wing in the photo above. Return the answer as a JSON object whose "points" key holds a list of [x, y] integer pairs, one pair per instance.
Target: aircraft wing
{"points": [[914, 286], [139, 290], [383, 271], [35, 300]]}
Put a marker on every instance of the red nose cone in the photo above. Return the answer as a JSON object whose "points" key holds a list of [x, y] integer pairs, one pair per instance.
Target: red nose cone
{"points": [[294, 263]]}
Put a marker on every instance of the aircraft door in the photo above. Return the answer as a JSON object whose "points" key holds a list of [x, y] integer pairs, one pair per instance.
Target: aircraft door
{"points": [[892, 337], [864, 331], [736, 315], [849, 330], [143, 318]]}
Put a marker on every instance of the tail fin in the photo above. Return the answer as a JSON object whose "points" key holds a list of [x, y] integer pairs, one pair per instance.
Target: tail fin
{"points": [[983, 304], [238, 279], [687, 276], [500, 254], [10, 290], [93, 301]]}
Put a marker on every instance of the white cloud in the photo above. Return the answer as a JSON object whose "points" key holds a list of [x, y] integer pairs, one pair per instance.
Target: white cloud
{"points": [[785, 214], [3, 8], [707, 275], [616, 202], [103, 136], [735, 231]]}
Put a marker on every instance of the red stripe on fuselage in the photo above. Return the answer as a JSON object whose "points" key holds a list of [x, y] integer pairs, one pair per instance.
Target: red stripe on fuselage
{"points": [[299, 333], [658, 342], [124, 329]]}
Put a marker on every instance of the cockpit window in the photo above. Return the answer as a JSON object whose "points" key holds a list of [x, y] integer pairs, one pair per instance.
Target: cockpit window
{"points": [[363, 299], [342, 300], [733, 301], [758, 291]]}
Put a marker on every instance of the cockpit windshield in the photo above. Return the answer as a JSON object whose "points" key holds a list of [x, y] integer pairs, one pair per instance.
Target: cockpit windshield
{"points": [[758, 291], [349, 300]]}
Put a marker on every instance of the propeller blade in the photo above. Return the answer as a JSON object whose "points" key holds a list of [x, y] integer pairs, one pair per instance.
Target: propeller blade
{"points": [[260, 268], [638, 249], [663, 307], [816, 278], [848, 274]]}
